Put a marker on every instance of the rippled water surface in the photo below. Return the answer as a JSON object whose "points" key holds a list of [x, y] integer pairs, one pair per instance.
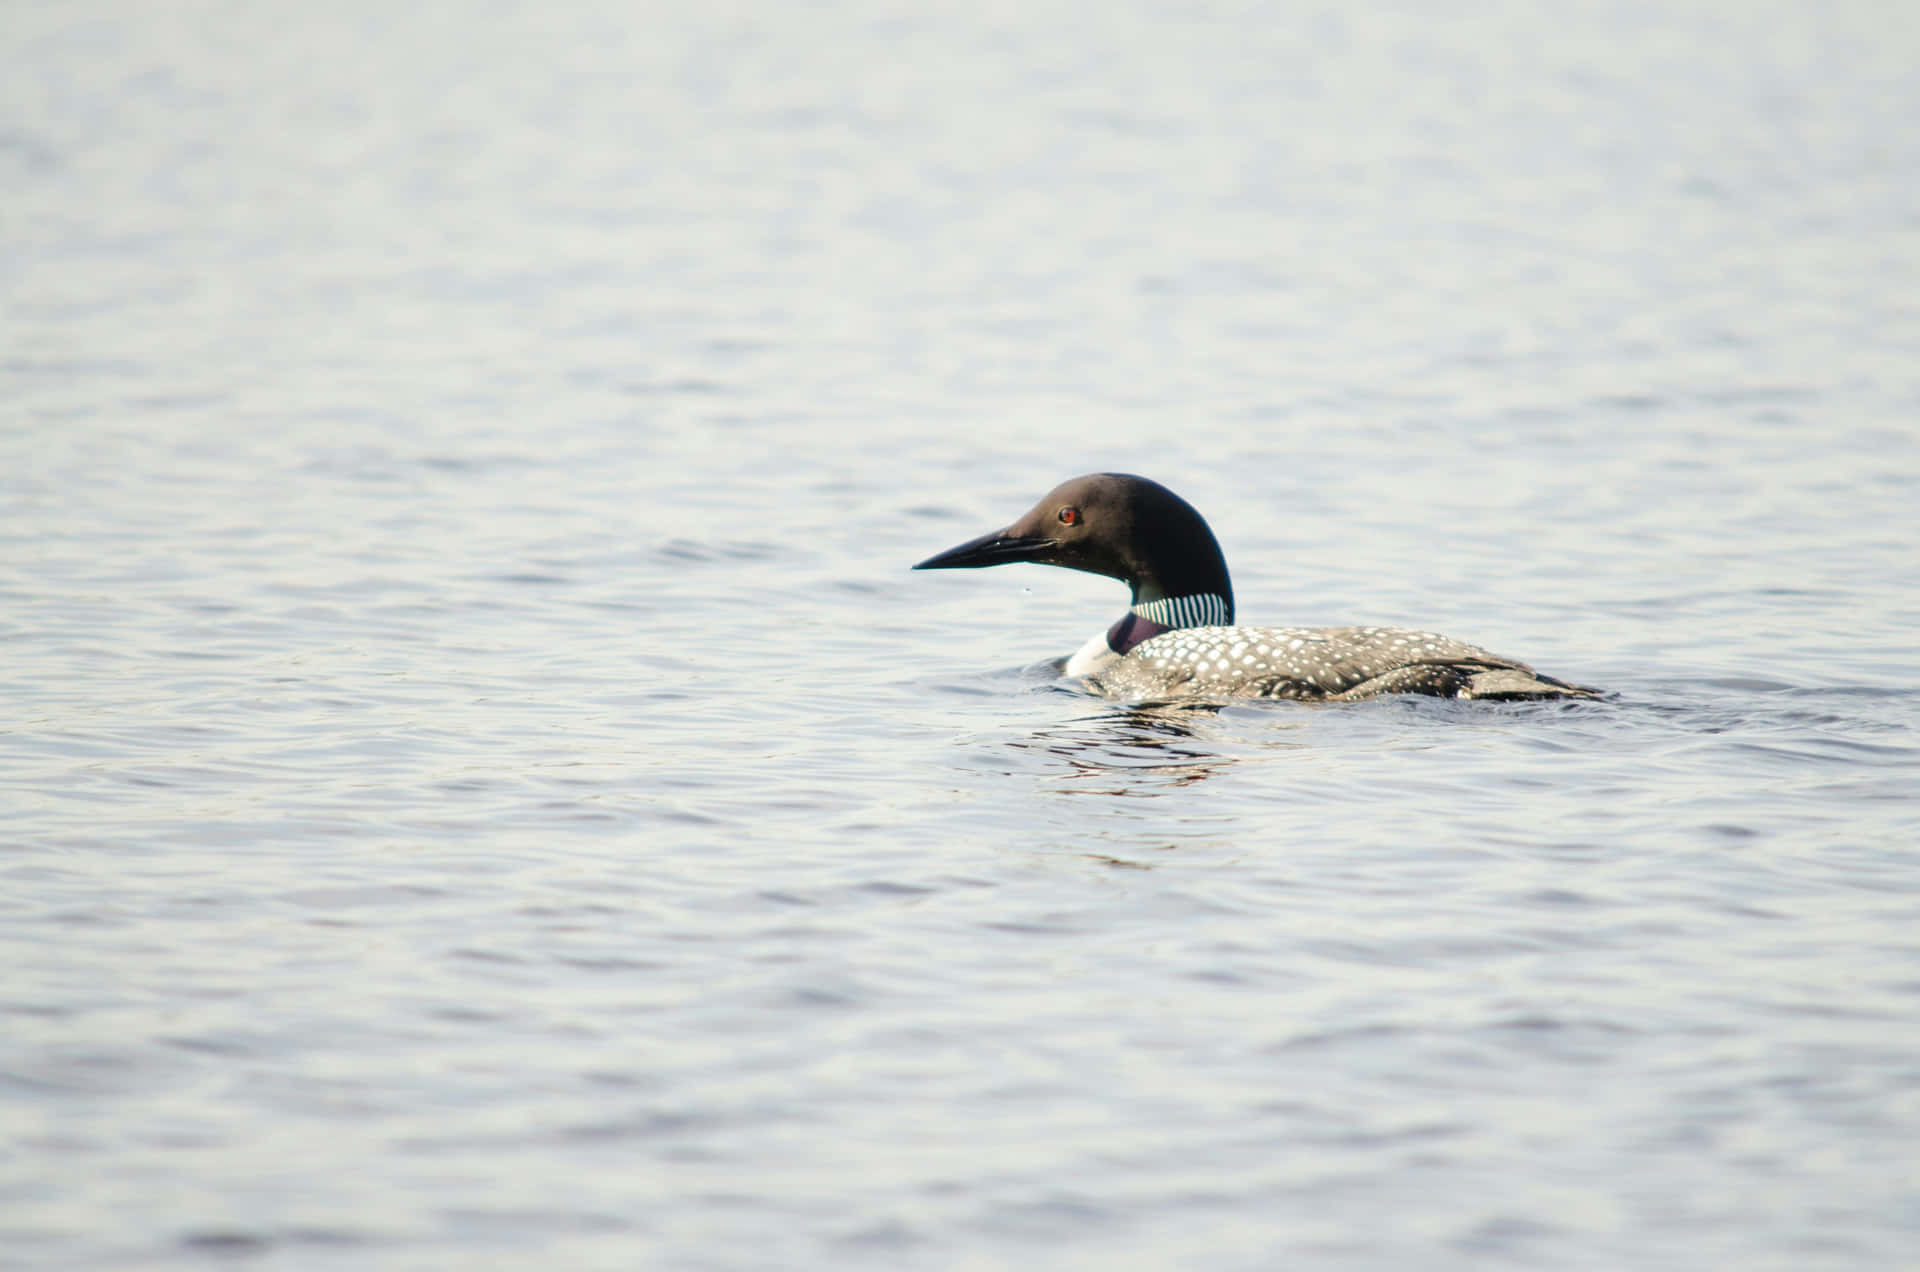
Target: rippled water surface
{"points": [[480, 787]]}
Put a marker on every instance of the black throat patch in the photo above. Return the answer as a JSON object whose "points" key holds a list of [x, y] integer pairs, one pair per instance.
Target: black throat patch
{"points": [[1131, 631]]}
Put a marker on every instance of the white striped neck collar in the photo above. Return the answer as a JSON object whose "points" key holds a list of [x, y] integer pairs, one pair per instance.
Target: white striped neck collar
{"points": [[1169, 612]]}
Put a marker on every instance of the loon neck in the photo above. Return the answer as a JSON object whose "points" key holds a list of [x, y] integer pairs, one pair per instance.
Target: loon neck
{"points": [[1148, 619], [1203, 609]]}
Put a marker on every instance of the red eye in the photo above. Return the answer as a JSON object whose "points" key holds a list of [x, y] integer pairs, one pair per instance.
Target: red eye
{"points": [[1069, 516]]}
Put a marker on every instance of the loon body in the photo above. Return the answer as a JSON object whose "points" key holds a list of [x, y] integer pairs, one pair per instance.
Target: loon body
{"points": [[1177, 640]]}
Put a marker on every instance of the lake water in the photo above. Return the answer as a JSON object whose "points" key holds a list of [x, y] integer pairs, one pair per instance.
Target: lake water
{"points": [[481, 788]]}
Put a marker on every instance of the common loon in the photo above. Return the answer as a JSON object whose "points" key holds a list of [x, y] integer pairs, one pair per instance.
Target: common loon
{"points": [[1177, 640]]}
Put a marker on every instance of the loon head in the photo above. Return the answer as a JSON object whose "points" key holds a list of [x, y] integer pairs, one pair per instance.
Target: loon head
{"points": [[1124, 527]]}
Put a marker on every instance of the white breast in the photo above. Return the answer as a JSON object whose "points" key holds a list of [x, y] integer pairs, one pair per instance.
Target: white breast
{"points": [[1093, 655]]}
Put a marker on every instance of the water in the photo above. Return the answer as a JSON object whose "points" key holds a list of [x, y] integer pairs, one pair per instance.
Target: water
{"points": [[481, 788]]}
